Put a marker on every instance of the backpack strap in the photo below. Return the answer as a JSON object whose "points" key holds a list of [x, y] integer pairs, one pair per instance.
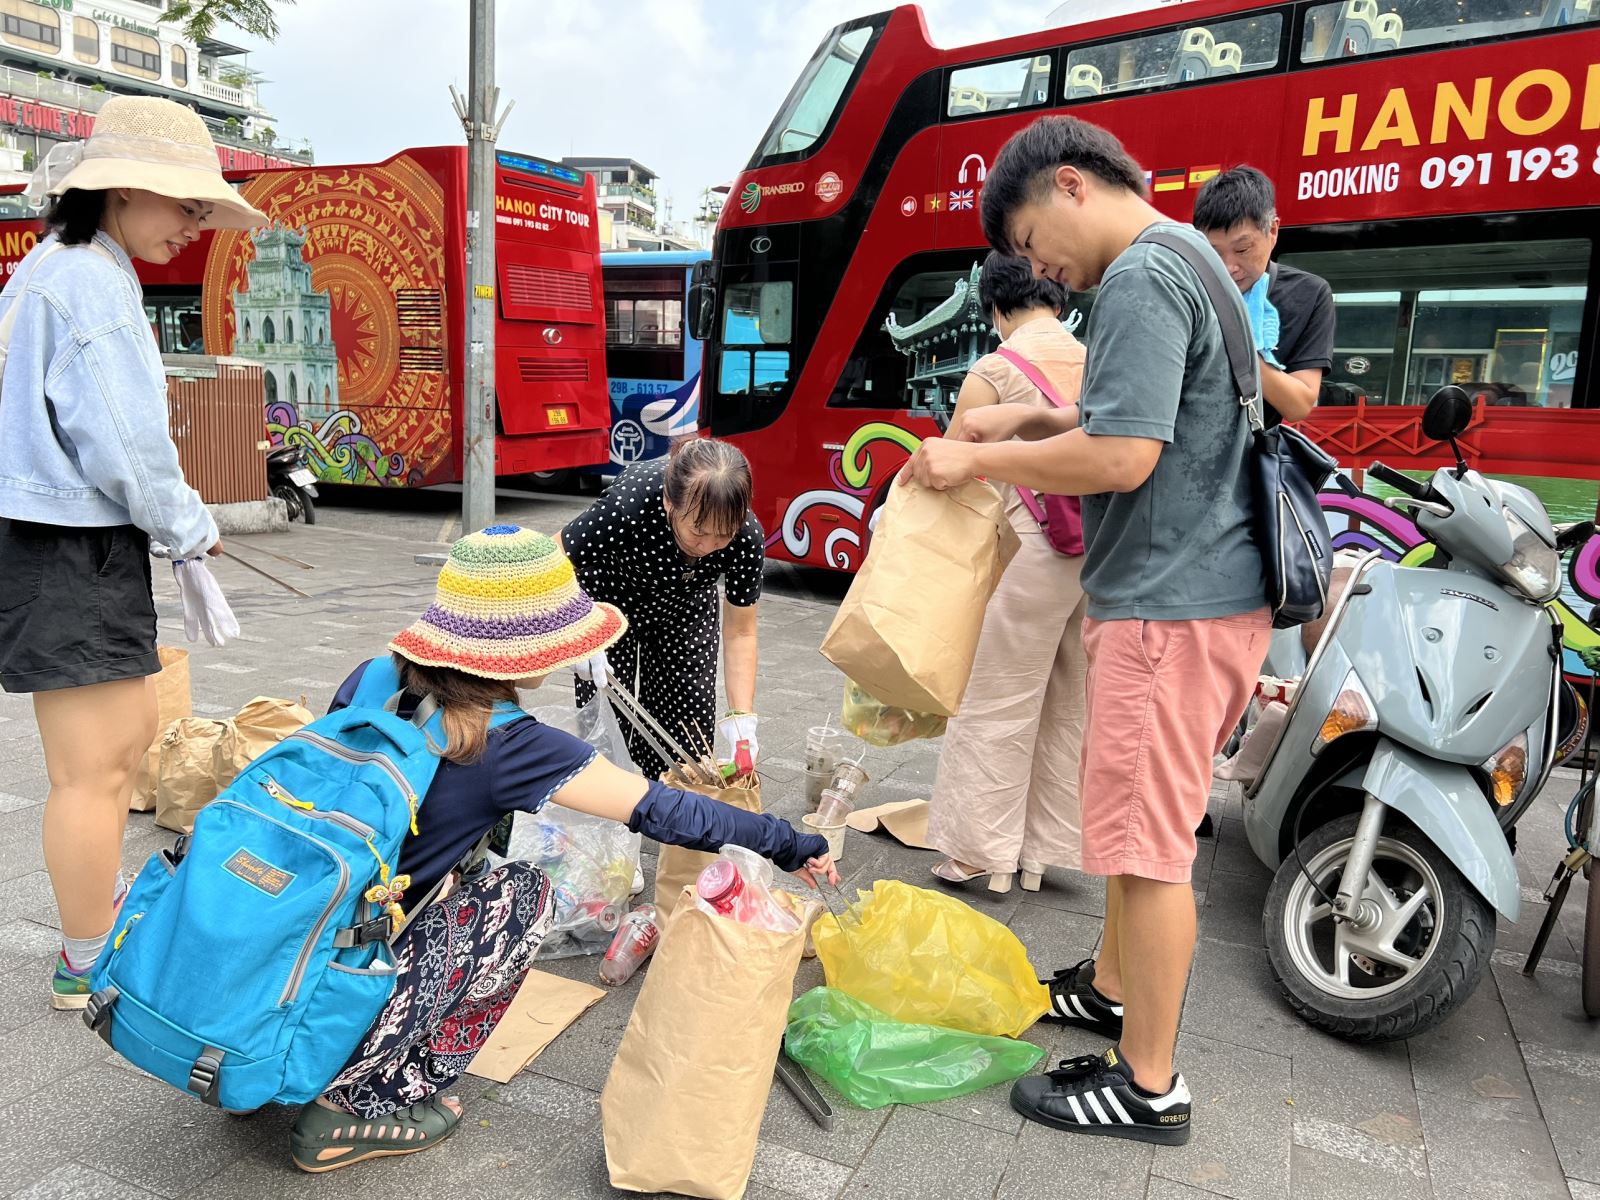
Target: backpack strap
{"points": [[1033, 375], [1235, 332]]}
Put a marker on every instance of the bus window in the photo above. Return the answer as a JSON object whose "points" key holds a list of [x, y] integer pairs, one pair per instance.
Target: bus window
{"points": [[1502, 320], [1136, 64], [1355, 28], [757, 329], [993, 87], [816, 96]]}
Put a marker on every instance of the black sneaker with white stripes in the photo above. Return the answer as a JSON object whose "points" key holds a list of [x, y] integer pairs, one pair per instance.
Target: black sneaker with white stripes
{"points": [[1096, 1095], [1073, 1001]]}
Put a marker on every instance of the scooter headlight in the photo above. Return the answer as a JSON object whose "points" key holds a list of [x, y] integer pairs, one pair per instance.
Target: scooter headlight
{"points": [[1352, 712], [1534, 567], [1507, 771]]}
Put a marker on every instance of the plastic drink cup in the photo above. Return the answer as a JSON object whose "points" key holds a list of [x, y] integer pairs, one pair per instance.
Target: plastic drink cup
{"points": [[719, 886], [636, 939], [816, 783], [822, 748], [848, 780], [833, 808], [833, 833]]}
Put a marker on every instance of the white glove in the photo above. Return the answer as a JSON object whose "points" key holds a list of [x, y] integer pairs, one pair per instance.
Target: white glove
{"points": [[205, 608], [596, 670], [735, 728]]}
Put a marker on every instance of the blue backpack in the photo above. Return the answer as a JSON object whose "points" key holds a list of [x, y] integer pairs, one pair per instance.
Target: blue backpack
{"points": [[251, 959]]}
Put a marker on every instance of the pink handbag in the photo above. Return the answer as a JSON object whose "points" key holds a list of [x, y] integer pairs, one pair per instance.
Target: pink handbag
{"points": [[1059, 517]]}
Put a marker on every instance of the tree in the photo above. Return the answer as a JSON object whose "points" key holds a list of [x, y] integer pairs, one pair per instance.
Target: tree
{"points": [[199, 18]]}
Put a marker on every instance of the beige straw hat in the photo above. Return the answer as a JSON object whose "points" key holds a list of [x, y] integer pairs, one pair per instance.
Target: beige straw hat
{"points": [[147, 143]]}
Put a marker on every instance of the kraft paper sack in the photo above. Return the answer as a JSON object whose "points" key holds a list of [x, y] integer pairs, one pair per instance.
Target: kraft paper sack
{"points": [[172, 701], [188, 776], [908, 628], [677, 868], [682, 1107], [253, 730]]}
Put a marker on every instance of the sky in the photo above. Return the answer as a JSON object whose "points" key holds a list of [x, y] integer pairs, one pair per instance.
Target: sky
{"points": [[686, 87]]}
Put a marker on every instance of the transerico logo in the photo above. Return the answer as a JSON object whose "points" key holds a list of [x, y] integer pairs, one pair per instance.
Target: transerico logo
{"points": [[750, 196]]}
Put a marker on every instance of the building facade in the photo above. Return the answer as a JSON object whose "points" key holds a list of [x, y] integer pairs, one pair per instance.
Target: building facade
{"points": [[287, 325], [626, 193], [61, 60]]}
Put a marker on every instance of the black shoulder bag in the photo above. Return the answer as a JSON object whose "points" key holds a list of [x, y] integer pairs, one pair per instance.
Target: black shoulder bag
{"points": [[1287, 469]]}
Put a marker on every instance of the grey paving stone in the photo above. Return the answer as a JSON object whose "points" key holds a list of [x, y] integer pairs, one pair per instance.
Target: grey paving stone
{"points": [[30, 898], [790, 1173], [1240, 1145], [1567, 1085], [788, 1125], [1582, 1190], [1055, 1162], [547, 1098], [1367, 1088], [1232, 910], [921, 1154], [27, 943], [1473, 1053], [1318, 1175], [1491, 1149], [1166, 1189], [1391, 1146], [1054, 937], [11, 802], [1234, 856], [72, 1181], [1233, 998], [1547, 1009], [47, 1049]]}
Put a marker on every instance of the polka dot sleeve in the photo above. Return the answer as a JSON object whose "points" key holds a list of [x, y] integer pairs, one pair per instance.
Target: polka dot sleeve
{"points": [[584, 539], [745, 570]]}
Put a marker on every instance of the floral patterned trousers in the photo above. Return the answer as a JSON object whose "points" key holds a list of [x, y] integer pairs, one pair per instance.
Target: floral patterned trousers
{"points": [[460, 963]]}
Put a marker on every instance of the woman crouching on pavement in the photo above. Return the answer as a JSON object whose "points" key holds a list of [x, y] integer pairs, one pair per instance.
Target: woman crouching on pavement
{"points": [[508, 613]]}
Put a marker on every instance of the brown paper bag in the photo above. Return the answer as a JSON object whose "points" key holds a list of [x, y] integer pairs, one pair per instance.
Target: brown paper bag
{"points": [[682, 1107], [677, 868], [188, 779], [172, 701], [255, 729], [545, 1005], [908, 628]]}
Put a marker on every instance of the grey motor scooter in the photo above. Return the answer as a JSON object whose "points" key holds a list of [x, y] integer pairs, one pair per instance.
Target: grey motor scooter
{"points": [[1423, 725]]}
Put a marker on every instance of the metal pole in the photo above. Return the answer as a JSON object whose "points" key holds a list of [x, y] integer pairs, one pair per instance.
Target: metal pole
{"points": [[478, 400]]}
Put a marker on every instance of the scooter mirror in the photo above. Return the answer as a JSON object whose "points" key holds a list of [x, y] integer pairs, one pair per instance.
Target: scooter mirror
{"points": [[1448, 414]]}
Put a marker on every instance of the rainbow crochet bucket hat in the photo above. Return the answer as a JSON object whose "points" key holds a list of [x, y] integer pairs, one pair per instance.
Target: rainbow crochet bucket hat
{"points": [[509, 606]]}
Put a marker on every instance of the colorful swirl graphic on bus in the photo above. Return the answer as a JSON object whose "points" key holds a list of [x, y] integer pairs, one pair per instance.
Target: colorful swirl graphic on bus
{"points": [[851, 473], [337, 449]]}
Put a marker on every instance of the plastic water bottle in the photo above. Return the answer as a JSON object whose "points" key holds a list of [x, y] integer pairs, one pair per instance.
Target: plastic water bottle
{"points": [[737, 885], [636, 939]]}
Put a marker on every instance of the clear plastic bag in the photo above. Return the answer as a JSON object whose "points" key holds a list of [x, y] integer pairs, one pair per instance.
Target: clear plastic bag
{"points": [[743, 881], [882, 724], [926, 957], [591, 864], [874, 1060], [598, 725]]}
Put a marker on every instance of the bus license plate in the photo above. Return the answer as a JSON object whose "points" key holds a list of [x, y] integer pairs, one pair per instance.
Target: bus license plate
{"points": [[301, 477]]}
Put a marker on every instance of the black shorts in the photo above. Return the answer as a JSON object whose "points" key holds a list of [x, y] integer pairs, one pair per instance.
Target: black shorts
{"points": [[75, 606]]}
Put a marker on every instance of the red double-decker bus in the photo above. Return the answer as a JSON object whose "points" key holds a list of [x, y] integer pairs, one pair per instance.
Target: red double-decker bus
{"points": [[1437, 161], [355, 302]]}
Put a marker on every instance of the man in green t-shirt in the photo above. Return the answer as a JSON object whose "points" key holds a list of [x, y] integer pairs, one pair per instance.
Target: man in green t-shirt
{"points": [[1177, 625]]}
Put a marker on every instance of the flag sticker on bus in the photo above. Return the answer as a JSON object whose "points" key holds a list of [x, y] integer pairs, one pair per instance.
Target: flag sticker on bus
{"points": [[933, 203], [1170, 180], [961, 200], [1198, 175]]}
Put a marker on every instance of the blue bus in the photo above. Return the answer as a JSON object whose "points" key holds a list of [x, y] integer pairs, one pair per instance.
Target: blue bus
{"points": [[653, 364]]}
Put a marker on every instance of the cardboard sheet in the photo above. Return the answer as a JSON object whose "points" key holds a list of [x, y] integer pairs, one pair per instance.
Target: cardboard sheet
{"points": [[545, 1005], [905, 820]]}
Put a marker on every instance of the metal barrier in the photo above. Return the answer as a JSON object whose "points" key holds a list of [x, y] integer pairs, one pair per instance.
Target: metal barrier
{"points": [[217, 413]]}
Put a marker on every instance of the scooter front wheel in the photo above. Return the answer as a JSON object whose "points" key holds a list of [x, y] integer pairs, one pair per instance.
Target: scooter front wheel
{"points": [[1421, 945]]}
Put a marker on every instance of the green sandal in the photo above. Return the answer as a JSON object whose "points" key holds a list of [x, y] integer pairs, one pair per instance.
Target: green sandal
{"points": [[325, 1140]]}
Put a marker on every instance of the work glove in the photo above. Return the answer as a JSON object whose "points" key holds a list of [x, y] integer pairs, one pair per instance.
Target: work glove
{"points": [[205, 609], [735, 728], [595, 670]]}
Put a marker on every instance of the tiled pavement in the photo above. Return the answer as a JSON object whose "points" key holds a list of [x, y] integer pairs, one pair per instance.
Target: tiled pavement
{"points": [[1503, 1100]]}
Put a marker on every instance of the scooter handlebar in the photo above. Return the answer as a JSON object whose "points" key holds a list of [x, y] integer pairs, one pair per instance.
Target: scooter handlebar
{"points": [[1401, 483]]}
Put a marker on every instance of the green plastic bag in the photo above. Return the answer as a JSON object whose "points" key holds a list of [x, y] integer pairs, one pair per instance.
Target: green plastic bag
{"points": [[875, 1060]]}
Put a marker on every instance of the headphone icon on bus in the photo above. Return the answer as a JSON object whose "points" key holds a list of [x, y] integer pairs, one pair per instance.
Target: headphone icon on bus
{"points": [[983, 168]]}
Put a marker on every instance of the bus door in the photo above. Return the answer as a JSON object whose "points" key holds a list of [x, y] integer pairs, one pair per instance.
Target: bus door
{"points": [[654, 383]]}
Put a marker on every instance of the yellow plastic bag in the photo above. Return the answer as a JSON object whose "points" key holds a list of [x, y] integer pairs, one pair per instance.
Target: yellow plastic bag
{"points": [[930, 959], [883, 724]]}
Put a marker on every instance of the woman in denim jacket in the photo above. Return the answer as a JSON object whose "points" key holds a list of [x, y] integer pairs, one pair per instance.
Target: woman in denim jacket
{"points": [[89, 477]]}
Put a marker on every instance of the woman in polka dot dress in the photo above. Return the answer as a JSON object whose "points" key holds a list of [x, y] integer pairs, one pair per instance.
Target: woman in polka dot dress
{"points": [[655, 546]]}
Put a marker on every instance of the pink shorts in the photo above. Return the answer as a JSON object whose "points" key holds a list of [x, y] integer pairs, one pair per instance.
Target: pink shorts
{"points": [[1163, 698]]}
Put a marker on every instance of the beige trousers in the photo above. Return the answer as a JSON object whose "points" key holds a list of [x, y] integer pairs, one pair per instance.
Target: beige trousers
{"points": [[1007, 789]]}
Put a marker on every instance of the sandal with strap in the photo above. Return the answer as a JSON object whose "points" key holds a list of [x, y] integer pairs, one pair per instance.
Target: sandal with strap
{"points": [[325, 1140]]}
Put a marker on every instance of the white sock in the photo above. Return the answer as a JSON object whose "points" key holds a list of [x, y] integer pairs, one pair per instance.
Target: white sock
{"points": [[82, 952]]}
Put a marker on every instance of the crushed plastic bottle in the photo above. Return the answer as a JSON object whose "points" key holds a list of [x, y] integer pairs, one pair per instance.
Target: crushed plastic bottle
{"points": [[737, 884], [636, 939]]}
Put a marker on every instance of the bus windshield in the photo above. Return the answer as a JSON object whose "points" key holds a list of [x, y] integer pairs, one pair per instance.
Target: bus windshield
{"points": [[816, 96]]}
